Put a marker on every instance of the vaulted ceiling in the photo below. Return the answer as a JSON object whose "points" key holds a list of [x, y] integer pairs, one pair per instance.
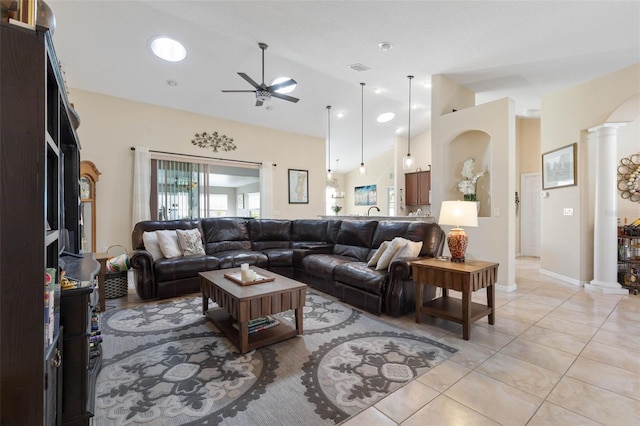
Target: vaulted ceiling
{"points": [[518, 49]]}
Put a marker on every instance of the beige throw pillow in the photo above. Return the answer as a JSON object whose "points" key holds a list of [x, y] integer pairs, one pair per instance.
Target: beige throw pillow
{"points": [[410, 249], [190, 242], [376, 256], [169, 243], [396, 244], [150, 240]]}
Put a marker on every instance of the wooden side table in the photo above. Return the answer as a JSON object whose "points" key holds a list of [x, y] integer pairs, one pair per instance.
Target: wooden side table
{"points": [[465, 277], [102, 258]]}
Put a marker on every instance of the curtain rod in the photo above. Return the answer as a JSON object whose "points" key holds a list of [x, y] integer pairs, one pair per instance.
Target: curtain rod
{"points": [[133, 148]]}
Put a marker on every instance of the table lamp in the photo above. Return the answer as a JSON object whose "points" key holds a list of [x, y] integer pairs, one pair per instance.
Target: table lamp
{"points": [[458, 213]]}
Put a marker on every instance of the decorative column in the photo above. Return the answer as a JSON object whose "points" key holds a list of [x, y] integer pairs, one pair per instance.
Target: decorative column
{"points": [[605, 241]]}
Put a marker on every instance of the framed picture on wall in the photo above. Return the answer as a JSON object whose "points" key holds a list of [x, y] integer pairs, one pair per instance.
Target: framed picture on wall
{"points": [[366, 195], [559, 167], [298, 186]]}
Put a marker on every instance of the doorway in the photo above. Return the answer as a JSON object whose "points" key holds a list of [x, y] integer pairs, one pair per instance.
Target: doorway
{"points": [[530, 187]]}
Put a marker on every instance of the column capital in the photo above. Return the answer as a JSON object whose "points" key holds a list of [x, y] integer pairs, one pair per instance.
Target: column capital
{"points": [[607, 126]]}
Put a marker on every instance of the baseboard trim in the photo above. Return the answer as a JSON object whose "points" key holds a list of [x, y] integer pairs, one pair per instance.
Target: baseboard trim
{"points": [[569, 280]]}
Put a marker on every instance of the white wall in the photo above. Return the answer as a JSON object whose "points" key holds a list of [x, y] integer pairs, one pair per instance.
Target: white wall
{"points": [[494, 238], [380, 172], [566, 249], [110, 126]]}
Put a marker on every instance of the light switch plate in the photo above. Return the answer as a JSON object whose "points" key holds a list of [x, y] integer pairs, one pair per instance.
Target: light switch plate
{"points": [[568, 211]]}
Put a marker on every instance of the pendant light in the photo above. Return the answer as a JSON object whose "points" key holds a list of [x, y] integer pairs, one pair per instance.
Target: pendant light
{"points": [[363, 170], [407, 162], [329, 141]]}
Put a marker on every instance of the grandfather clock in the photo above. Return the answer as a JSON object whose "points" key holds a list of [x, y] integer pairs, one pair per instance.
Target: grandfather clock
{"points": [[89, 176]]}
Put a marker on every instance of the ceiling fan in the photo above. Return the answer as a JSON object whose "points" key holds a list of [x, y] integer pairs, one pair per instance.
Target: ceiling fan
{"points": [[262, 91]]}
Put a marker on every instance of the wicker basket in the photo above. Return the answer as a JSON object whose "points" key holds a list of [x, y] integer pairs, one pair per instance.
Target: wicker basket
{"points": [[116, 284]]}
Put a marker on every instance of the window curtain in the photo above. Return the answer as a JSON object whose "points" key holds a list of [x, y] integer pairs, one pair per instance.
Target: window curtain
{"points": [[266, 190], [141, 184]]}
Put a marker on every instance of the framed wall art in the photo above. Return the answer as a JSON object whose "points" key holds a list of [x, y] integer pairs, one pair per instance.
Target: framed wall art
{"points": [[366, 195], [559, 167], [298, 186]]}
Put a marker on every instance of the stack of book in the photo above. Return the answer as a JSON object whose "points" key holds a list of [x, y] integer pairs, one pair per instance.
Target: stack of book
{"points": [[260, 324]]}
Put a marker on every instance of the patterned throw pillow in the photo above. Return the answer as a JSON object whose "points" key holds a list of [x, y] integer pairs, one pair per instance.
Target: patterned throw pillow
{"points": [[169, 243], [190, 242]]}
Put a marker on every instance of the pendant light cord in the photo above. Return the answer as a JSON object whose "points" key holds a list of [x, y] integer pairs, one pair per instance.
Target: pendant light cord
{"points": [[362, 125], [410, 77], [329, 136]]}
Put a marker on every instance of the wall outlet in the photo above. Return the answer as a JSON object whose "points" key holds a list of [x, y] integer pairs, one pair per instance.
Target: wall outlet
{"points": [[568, 211]]}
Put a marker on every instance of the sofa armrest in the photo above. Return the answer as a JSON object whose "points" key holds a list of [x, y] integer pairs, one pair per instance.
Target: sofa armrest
{"points": [[400, 292], [142, 264]]}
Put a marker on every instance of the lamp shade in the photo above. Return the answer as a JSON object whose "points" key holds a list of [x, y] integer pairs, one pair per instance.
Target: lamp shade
{"points": [[458, 213]]}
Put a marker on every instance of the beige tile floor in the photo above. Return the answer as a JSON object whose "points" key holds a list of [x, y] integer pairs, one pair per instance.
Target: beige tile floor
{"points": [[557, 355]]}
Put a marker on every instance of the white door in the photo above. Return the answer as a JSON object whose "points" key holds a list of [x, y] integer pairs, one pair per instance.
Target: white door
{"points": [[530, 187]]}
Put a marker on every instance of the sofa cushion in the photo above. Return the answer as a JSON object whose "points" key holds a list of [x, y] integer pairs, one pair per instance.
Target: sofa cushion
{"points": [[322, 265], [270, 233], [429, 233], [354, 238], [223, 234], [305, 232], [396, 244], [183, 267], [234, 258], [140, 228], [279, 257], [359, 275]]}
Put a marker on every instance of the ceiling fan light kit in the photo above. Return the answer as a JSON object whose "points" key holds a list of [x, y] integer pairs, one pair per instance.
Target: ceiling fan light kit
{"points": [[264, 92]]}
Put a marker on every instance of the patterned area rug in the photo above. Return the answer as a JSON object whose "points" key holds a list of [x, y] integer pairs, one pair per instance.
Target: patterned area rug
{"points": [[164, 364]]}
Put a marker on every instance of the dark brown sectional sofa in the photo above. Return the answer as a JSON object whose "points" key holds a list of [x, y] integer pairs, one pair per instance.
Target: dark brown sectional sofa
{"points": [[330, 255]]}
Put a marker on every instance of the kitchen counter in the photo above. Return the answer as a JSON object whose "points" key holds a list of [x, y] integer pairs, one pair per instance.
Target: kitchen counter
{"points": [[429, 219]]}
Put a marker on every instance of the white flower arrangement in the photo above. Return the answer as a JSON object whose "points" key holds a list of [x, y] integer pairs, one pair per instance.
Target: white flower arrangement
{"points": [[468, 185]]}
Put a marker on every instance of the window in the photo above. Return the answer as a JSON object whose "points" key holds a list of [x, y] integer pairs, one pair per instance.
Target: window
{"points": [[391, 201], [253, 204], [218, 205], [192, 191]]}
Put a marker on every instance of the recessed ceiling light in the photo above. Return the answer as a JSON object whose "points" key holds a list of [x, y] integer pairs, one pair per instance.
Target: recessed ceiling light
{"points": [[385, 46], [377, 91], [285, 89], [427, 85], [168, 49], [399, 129], [340, 114], [384, 117]]}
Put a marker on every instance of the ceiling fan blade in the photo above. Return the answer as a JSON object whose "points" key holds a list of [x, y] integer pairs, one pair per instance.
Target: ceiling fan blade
{"points": [[249, 79], [239, 91], [285, 97], [281, 85], [258, 102]]}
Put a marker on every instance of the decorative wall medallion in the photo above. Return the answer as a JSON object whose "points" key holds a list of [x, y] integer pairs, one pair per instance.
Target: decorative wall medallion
{"points": [[214, 141], [629, 178]]}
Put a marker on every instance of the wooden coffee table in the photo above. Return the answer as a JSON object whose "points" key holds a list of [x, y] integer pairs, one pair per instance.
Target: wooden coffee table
{"points": [[239, 304]]}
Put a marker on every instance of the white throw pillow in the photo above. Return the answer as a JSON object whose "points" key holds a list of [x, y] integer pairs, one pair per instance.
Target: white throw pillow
{"points": [[169, 243], [376, 256], [150, 240], [410, 249], [396, 244], [190, 242]]}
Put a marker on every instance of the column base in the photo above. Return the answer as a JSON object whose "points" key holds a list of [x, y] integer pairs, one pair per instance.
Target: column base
{"points": [[605, 287]]}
